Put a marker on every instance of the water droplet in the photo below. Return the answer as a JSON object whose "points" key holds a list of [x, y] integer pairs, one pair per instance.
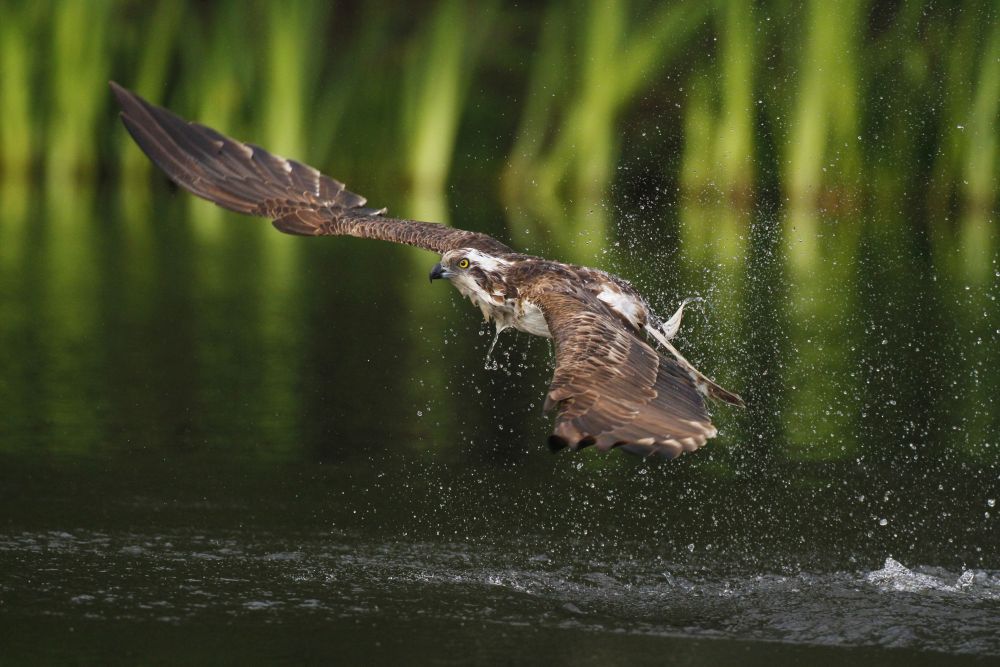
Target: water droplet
{"points": [[991, 502], [883, 522]]}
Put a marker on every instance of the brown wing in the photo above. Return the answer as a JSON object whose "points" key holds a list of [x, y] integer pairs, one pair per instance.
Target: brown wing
{"points": [[612, 389], [248, 179]]}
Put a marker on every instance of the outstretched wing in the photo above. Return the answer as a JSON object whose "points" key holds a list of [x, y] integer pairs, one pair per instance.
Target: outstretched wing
{"points": [[612, 389], [248, 179]]}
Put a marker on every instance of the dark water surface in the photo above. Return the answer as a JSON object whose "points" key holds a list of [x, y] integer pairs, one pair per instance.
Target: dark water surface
{"points": [[220, 444]]}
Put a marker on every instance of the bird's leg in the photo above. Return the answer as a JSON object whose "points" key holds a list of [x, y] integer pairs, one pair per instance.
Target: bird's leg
{"points": [[673, 325]]}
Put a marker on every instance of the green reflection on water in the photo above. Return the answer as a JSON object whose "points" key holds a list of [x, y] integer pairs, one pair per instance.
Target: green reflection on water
{"points": [[237, 329]]}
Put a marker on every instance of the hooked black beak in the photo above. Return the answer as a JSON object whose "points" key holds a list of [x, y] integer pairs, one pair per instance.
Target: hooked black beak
{"points": [[437, 272]]}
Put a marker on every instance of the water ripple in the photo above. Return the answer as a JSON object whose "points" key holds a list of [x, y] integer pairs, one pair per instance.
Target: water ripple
{"points": [[178, 578]]}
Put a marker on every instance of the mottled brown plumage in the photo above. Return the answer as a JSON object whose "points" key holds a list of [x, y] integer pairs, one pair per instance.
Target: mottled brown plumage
{"points": [[610, 388]]}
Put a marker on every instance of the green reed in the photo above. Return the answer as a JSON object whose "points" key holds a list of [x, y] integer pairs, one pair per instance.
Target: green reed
{"points": [[822, 152], [80, 53], [734, 147], [286, 113], [18, 143], [981, 172], [769, 91], [612, 57], [439, 68], [717, 169], [154, 41]]}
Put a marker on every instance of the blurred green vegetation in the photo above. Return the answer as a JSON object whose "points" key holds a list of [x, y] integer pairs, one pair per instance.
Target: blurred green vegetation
{"points": [[801, 164], [818, 104]]}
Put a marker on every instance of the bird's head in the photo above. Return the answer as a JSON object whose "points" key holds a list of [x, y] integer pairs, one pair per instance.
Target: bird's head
{"points": [[472, 271]]}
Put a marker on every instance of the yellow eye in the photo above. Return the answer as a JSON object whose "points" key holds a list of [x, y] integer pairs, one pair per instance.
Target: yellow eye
{"points": [[463, 263]]}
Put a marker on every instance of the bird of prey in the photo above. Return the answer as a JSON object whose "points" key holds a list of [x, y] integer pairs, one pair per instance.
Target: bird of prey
{"points": [[611, 388]]}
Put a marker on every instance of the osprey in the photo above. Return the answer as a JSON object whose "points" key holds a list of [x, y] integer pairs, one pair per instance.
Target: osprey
{"points": [[610, 388]]}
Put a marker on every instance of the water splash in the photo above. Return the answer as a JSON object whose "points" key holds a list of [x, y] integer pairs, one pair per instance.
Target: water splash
{"points": [[894, 576], [491, 363], [333, 576]]}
